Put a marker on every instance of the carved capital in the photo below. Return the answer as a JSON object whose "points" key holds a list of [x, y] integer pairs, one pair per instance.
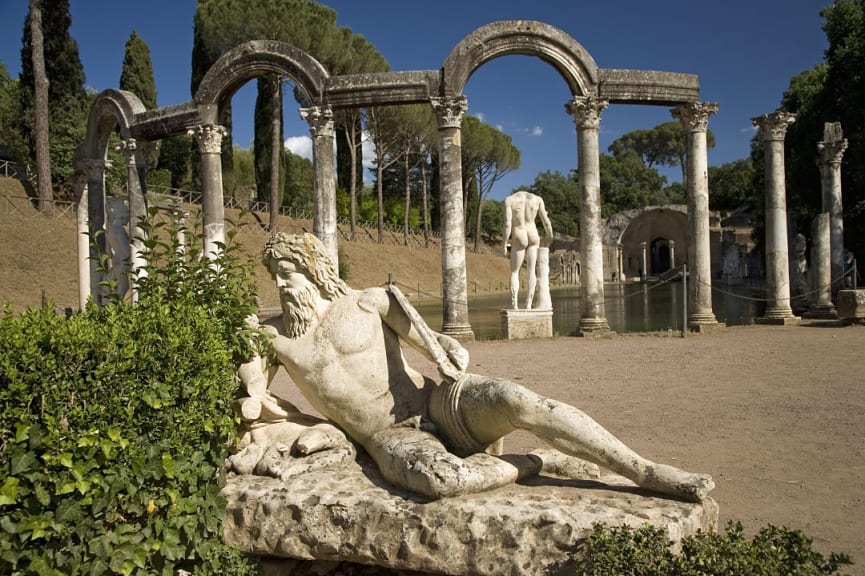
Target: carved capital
{"points": [[832, 148], [449, 110], [128, 147], [773, 127], [208, 138], [586, 111], [694, 116], [320, 120]]}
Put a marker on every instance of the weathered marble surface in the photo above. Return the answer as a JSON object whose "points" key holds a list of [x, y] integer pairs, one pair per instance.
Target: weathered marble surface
{"points": [[851, 305], [530, 528]]}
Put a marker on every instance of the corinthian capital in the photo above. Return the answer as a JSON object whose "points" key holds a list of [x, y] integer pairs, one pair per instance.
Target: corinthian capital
{"points": [[208, 138], [774, 126], [586, 111], [320, 120], [128, 147], [449, 110], [831, 152], [694, 116]]}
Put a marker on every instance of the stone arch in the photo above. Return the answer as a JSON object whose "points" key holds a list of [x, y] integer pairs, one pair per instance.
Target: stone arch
{"points": [[525, 37], [112, 108], [258, 58]]}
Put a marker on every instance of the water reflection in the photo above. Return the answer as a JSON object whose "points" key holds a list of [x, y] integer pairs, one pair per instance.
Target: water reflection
{"points": [[629, 308]]}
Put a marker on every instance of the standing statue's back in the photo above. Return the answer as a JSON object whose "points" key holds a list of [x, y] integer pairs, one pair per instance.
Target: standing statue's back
{"points": [[521, 210]]}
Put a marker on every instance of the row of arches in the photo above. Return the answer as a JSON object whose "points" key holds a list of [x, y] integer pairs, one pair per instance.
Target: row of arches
{"points": [[592, 89]]}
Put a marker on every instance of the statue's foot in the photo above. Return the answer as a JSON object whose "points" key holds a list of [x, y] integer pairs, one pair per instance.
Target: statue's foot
{"points": [[566, 466], [688, 486]]}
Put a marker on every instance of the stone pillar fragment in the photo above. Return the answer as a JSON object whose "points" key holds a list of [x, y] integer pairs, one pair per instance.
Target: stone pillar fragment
{"points": [[695, 119], [831, 150], [455, 309], [95, 206], [544, 300], [821, 269], [644, 270], [209, 140], [320, 120], [773, 129], [83, 244], [672, 245], [586, 111]]}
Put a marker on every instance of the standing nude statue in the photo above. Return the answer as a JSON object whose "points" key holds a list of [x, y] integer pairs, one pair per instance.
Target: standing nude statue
{"points": [[342, 348], [521, 209]]}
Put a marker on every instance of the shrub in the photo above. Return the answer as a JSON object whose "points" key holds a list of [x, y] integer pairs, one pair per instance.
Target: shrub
{"points": [[114, 424], [647, 551]]}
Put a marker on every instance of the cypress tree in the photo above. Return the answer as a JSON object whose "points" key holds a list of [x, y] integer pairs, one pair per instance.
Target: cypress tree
{"points": [[137, 77], [67, 99]]}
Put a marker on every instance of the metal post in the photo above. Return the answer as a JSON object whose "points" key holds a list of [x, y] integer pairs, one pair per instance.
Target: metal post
{"points": [[684, 300]]}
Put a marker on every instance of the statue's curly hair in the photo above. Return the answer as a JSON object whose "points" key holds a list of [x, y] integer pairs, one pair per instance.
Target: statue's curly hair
{"points": [[307, 253]]}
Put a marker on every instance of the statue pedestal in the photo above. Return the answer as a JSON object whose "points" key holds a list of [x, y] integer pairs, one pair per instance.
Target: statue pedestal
{"points": [[350, 515], [519, 324], [851, 306]]}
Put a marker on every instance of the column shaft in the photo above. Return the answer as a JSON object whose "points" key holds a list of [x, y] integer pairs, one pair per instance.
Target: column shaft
{"points": [[695, 119], [821, 269], [586, 111], [773, 128], [455, 310], [831, 150], [320, 119], [209, 138], [96, 228]]}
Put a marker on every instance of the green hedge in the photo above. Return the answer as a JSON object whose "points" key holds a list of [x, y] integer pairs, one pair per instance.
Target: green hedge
{"points": [[114, 424], [774, 551]]}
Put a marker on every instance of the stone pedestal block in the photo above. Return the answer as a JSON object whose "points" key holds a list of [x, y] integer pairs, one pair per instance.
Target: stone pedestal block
{"points": [[519, 324], [851, 305], [351, 515]]}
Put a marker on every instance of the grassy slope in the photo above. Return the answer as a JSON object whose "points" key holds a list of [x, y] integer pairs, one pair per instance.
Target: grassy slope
{"points": [[39, 253]]}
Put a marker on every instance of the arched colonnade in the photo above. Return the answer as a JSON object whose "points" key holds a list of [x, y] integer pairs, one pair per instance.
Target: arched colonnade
{"points": [[592, 89]]}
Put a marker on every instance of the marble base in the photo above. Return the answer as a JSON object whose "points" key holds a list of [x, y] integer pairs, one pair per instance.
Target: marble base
{"points": [[520, 324], [351, 515]]}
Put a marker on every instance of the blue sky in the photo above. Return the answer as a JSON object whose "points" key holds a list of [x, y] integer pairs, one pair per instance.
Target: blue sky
{"points": [[743, 51]]}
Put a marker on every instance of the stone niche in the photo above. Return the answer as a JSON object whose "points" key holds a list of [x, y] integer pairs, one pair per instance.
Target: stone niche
{"points": [[317, 522]]}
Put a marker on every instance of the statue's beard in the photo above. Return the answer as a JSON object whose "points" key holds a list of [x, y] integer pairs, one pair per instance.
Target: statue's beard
{"points": [[298, 310]]}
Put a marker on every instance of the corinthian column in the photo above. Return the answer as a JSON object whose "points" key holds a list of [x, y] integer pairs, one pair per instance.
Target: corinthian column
{"points": [[320, 120], [135, 160], [209, 139], [695, 119], [455, 308], [773, 129], [831, 150], [586, 111]]}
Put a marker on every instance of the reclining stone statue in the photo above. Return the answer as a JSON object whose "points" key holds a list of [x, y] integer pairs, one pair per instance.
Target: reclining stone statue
{"points": [[342, 348]]}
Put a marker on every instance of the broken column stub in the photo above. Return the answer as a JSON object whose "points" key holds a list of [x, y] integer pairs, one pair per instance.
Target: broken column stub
{"points": [[535, 527]]}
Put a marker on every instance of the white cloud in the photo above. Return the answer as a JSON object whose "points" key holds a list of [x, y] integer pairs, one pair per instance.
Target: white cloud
{"points": [[537, 131], [480, 116], [748, 130], [300, 146]]}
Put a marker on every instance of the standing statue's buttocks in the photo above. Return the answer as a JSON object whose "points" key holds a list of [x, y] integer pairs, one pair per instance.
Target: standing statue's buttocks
{"points": [[342, 348], [522, 208]]}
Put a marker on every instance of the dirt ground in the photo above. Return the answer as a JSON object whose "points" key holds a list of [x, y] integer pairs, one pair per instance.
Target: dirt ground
{"points": [[775, 414]]}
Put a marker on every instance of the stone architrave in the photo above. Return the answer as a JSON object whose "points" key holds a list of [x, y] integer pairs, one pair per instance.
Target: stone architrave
{"points": [[773, 128], [821, 270], [695, 119], [96, 226], [209, 140], [831, 150], [455, 310], [135, 160], [320, 120], [586, 111]]}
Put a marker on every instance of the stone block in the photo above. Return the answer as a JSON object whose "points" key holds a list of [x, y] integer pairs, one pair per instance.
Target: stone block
{"points": [[351, 515], [519, 324], [850, 305]]}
